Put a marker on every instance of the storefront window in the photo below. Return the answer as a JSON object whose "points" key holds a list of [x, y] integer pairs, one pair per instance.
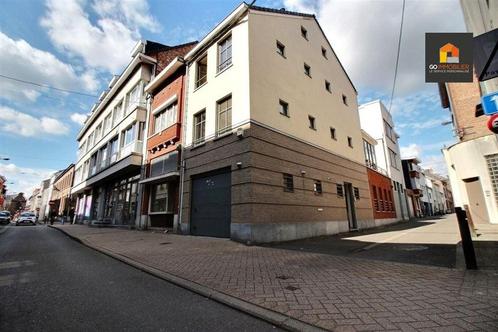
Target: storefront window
{"points": [[159, 198]]}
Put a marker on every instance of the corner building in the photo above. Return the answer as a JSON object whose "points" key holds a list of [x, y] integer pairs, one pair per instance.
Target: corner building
{"points": [[273, 147]]}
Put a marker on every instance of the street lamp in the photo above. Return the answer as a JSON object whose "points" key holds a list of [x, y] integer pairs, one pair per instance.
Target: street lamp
{"points": [[4, 158]]}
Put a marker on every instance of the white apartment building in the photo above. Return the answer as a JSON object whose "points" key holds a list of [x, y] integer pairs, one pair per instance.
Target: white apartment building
{"points": [[111, 145], [272, 133], [377, 122]]}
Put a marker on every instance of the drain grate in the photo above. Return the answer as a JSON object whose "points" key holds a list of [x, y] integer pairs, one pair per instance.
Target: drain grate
{"points": [[291, 288], [162, 243], [412, 248], [283, 277]]}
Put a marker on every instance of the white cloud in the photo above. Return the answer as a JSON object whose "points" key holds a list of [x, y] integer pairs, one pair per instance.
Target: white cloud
{"points": [[78, 118], [364, 34], [20, 60], [107, 43], [412, 150], [24, 179], [436, 163], [23, 124]]}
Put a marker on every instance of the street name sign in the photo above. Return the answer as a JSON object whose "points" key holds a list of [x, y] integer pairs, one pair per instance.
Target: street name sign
{"points": [[490, 103]]}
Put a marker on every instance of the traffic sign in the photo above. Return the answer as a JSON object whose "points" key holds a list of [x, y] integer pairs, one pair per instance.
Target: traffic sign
{"points": [[493, 123], [490, 103]]}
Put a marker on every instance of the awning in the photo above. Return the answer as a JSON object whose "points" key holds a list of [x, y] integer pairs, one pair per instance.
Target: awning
{"points": [[160, 178]]}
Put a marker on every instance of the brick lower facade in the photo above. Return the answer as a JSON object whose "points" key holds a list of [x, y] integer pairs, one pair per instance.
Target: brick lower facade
{"points": [[261, 211], [381, 194]]}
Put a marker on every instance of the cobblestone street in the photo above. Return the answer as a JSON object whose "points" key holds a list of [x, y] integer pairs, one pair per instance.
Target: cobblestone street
{"points": [[331, 292]]}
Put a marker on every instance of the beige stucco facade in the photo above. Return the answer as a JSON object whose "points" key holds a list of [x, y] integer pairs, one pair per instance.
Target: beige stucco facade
{"points": [[265, 148]]}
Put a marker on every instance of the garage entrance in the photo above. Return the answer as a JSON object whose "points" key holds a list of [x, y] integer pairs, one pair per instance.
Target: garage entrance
{"points": [[211, 204]]}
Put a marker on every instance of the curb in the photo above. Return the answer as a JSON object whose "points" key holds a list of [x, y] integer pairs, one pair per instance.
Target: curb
{"points": [[270, 316]]}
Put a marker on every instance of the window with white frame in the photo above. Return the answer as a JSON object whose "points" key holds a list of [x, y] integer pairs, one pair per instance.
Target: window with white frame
{"points": [[103, 157], [133, 97], [165, 118], [224, 115], [225, 53], [89, 143], [201, 71], [117, 114], [199, 126], [393, 158], [492, 161], [113, 150], [98, 132], [159, 198], [107, 122], [128, 135]]}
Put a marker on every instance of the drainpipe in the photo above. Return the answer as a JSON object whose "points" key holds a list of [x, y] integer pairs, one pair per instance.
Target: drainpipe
{"points": [[182, 144]]}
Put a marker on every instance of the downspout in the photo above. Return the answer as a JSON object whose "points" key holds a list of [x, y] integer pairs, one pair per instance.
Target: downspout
{"points": [[182, 144], [142, 222]]}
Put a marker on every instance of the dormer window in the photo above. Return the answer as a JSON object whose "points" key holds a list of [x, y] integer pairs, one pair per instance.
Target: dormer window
{"points": [[304, 32]]}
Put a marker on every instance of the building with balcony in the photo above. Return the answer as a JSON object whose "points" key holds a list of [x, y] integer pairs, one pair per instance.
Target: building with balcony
{"points": [[273, 147], [376, 120], [160, 180], [380, 185], [111, 143], [415, 185]]}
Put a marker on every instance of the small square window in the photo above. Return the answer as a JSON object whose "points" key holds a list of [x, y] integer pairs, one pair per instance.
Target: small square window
{"points": [[327, 86], [340, 190], [307, 70], [345, 100], [324, 52], [280, 48], [304, 33], [312, 122], [356, 193], [332, 133], [350, 141], [317, 187], [284, 107], [288, 182]]}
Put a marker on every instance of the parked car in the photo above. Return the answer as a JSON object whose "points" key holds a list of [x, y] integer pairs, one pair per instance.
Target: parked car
{"points": [[4, 217], [26, 218]]}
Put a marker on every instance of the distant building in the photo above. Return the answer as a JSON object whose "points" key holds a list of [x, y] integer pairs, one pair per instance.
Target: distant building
{"points": [[3, 191], [415, 185], [378, 123], [60, 200]]}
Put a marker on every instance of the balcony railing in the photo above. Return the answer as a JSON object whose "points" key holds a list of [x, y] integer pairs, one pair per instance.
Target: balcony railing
{"points": [[133, 147]]}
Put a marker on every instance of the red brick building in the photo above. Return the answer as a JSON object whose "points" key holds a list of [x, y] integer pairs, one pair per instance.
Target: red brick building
{"points": [[162, 171], [381, 192]]}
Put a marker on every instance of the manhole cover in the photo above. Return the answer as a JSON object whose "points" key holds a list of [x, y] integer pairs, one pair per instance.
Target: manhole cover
{"points": [[283, 277], [413, 248], [291, 288]]}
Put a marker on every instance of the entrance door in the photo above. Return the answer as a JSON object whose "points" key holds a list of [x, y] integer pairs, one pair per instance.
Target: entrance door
{"points": [[211, 204], [477, 205], [348, 191]]}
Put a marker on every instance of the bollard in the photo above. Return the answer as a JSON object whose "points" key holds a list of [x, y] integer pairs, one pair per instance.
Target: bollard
{"points": [[467, 244]]}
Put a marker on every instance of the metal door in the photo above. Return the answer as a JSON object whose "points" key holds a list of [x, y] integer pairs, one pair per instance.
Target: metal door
{"points": [[211, 204], [348, 191], [477, 205]]}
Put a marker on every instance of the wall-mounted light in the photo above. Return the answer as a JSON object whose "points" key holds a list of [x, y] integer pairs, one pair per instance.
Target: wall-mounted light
{"points": [[303, 173], [239, 164]]}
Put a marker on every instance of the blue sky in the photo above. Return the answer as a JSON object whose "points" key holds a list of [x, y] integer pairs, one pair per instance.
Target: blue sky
{"points": [[79, 44]]}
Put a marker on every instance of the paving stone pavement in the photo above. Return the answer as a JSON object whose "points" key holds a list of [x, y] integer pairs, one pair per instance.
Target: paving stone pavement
{"points": [[331, 292]]}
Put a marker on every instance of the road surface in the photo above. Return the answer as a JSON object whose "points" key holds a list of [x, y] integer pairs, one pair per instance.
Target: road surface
{"points": [[49, 282]]}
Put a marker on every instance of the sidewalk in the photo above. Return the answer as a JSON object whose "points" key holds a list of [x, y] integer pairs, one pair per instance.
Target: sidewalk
{"points": [[330, 292]]}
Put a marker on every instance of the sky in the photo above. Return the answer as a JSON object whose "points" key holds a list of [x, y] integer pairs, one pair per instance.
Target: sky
{"points": [[78, 45]]}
